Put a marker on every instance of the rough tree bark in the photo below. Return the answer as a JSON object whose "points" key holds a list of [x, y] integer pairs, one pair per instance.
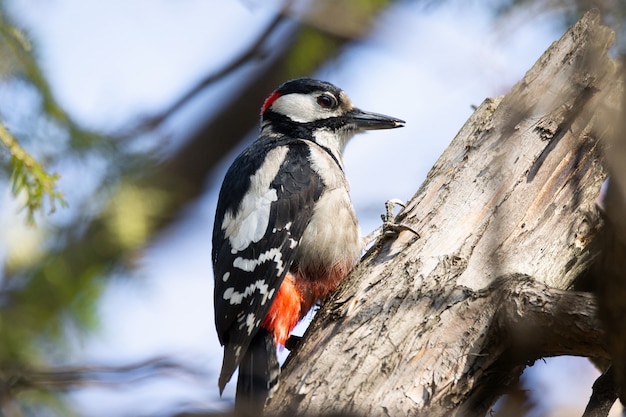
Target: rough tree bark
{"points": [[441, 324]]}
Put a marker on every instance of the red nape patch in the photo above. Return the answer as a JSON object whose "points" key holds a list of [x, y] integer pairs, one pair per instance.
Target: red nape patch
{"points": [[284, 312], [268, 101]]}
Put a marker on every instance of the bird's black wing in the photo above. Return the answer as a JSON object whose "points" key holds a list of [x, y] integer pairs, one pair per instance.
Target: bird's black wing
{"points": [[257, 231]]}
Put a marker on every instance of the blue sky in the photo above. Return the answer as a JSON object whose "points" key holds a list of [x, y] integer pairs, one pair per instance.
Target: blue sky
{"points": [[109, 62]]}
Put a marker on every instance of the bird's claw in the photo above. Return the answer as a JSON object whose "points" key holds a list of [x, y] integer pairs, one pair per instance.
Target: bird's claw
{"points": [[293, 342], [390, 227]]}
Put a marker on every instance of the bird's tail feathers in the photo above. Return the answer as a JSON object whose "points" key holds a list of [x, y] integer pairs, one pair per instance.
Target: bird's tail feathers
{"points": [[258, 375]]}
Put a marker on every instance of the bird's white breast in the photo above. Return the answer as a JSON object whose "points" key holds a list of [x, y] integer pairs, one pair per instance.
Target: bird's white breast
{"points": [[332, 236]]}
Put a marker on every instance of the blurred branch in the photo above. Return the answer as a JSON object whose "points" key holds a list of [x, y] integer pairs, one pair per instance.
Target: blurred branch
{"points": [[346, 29], [24, 64], [74, 376], [19, 62], [609, 270], [16, 383], [603, 395], [350, 22], [256, 51]]}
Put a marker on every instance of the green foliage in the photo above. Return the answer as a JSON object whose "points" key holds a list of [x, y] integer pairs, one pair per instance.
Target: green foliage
{"points": [[19, 61], [54, 288], [59, 284], [313, 48], [320, 37], [28, 177]]}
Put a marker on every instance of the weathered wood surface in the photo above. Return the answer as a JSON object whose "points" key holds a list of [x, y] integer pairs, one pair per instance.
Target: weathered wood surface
{"points": [[440, 325]]}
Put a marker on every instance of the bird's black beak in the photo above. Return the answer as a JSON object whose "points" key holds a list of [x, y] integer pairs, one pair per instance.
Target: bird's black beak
{"points": [[372, 121]]}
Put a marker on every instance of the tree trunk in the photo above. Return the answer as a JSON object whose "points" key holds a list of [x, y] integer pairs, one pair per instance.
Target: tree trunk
{"points": [[441, 324]]}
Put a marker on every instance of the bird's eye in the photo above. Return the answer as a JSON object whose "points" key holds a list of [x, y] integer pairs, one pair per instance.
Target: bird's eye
{"points": [[327, 101]]}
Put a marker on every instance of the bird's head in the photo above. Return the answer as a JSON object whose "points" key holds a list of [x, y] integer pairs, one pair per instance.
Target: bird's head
{"points": [[320, 110]]}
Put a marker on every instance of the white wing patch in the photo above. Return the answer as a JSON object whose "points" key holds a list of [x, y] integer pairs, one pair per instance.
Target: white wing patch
{"points": [[248, 223], [250, 319], [236, 297], [249, 265]]}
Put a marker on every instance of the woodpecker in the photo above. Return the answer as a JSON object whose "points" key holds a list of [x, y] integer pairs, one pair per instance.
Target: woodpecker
{"points": [[285, 232]]}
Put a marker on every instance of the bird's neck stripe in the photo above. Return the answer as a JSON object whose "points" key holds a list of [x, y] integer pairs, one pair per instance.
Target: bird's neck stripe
{"points": [[329, 152]]}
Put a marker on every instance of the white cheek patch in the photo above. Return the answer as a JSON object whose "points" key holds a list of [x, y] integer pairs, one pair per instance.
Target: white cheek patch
{"points": [[302, 108], [249, 223]]}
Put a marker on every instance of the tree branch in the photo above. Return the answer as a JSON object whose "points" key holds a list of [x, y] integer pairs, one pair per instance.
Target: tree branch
{"points": [[540, 321], [603, 395], [530, 321], [430, 326]]}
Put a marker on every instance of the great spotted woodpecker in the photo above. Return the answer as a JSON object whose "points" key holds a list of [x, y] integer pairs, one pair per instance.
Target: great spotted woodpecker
{"points": [[285, 232]]}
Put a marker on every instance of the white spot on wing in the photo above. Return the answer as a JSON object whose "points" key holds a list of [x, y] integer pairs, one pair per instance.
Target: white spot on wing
{"points": [[249, 265], [249, 222], [250, 322], [226, 276], [236, 297]]}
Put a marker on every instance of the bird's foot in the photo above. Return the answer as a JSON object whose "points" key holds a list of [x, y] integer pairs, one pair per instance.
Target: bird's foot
{"points": [[390, 226], [293, 342]]}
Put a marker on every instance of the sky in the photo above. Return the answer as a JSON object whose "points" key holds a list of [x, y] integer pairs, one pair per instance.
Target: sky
{"points": [[110, 62]]}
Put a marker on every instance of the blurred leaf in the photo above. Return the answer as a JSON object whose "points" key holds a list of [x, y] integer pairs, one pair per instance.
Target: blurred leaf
{"points": [[29, 178], [351, 19], [313, 48], [321, 37], [132, 212]]}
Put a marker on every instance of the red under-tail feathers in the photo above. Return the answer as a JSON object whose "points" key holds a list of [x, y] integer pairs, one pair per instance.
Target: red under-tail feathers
{"points": [[297, 294]]}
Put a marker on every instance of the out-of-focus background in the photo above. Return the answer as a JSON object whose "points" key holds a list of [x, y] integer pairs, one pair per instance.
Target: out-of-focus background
{"points": [[139, 106]]}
